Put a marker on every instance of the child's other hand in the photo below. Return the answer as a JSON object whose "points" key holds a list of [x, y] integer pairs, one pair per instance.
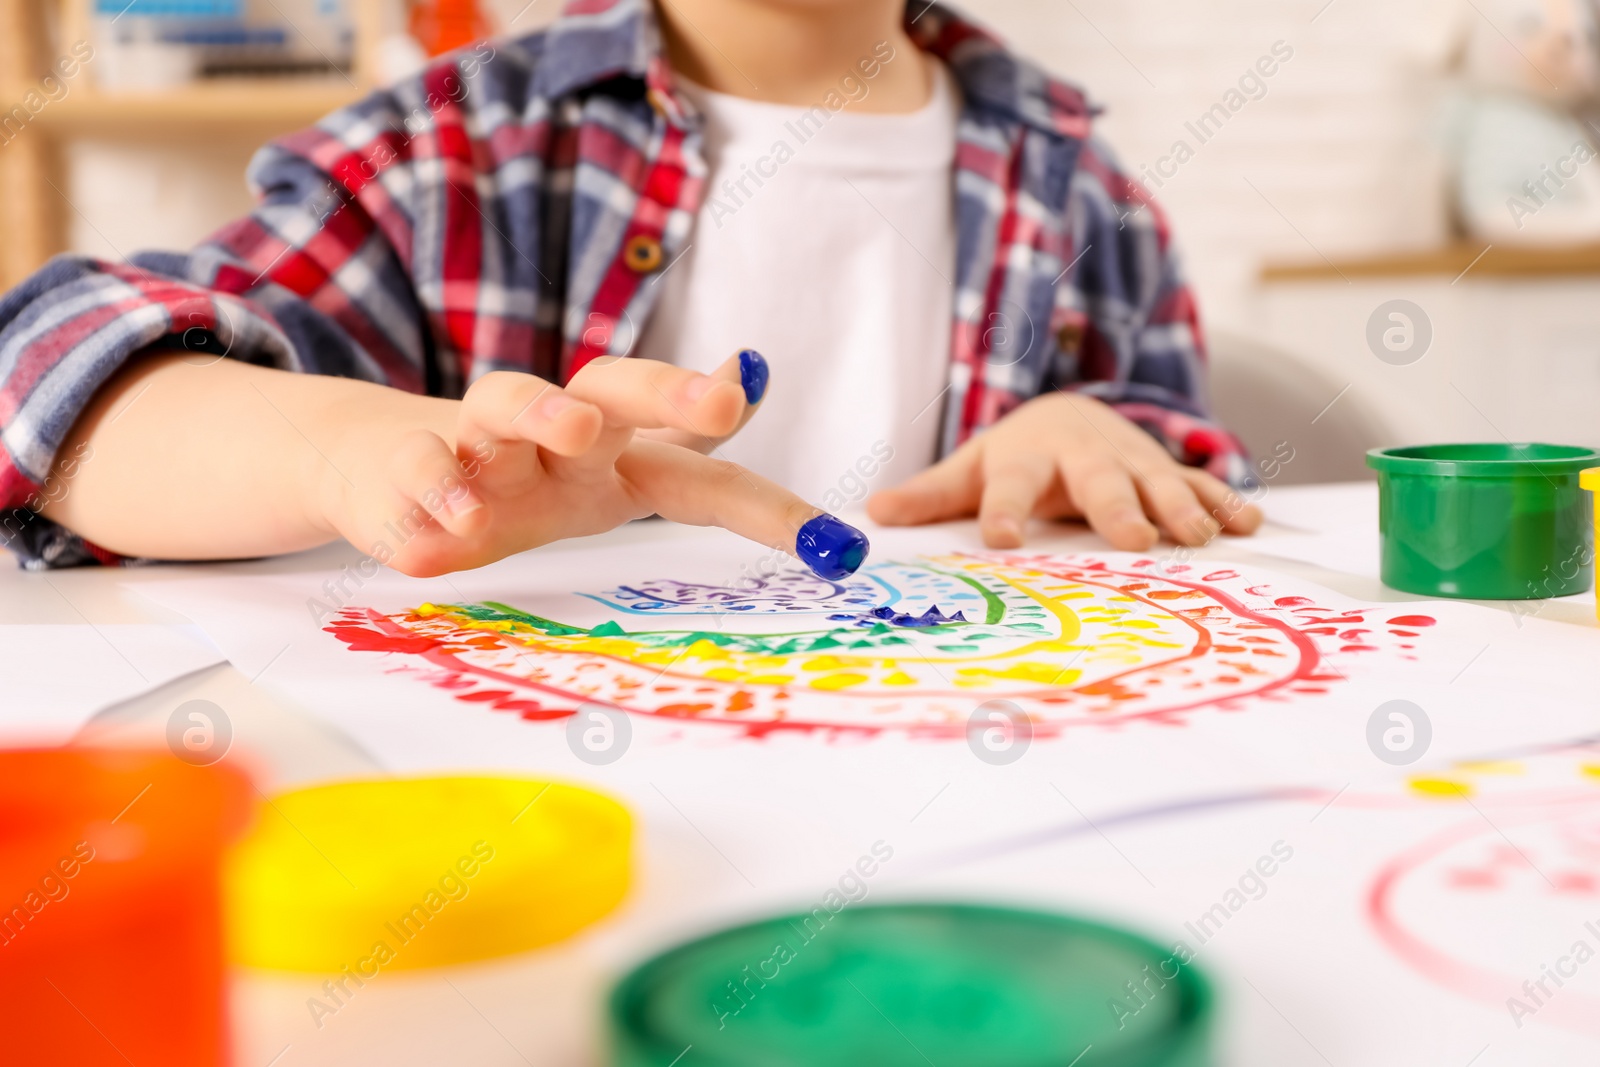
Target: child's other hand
{"points": [[1067, 456], [527, 462]]}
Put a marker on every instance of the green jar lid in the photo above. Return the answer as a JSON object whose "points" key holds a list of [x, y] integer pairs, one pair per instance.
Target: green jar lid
{"points": [[1483, 460], [908, 984]]}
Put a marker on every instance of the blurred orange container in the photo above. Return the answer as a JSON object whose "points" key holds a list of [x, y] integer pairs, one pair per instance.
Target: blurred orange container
{"points": [[443, 25], [111, 947]]}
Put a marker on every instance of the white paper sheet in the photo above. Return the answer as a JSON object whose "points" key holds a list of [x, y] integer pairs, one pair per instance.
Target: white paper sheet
{"points": [[58, 676], [1128, 802]]}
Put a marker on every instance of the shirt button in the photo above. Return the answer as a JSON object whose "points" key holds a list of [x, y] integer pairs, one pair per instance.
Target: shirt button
{"points": [[642, 253]]}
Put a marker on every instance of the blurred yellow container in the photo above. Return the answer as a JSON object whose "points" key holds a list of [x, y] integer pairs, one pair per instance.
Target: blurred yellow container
{"points": [[365, 876], [1589, 478]]}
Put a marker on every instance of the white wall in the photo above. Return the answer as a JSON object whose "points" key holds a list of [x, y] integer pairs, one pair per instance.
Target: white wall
{"points": [[1335, 150], [127, 196]]}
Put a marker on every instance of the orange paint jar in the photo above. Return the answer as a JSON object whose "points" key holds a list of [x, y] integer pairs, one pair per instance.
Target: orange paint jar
{"points": [[111, 946]]}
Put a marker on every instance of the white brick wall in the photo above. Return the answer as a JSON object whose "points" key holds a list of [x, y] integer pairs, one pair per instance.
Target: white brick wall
{"points": [[1339, 144]]}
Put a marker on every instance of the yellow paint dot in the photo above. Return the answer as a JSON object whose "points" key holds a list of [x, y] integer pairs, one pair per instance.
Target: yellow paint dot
{"points": [[1590, 769], [1139, 639], [1042, 673], [620, 647], [725, 674], [838, 681], [499, 626], [899, 678], [1440, 787], [1490, 766], [769, 679]]}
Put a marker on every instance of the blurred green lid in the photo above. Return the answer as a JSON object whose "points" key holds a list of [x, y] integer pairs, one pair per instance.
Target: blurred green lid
{"points": [[913, 984], [1492, 460]]}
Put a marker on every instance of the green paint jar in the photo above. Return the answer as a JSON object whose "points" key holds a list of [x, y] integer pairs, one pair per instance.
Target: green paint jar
{"points": [[1485, 521], [906, 985]]}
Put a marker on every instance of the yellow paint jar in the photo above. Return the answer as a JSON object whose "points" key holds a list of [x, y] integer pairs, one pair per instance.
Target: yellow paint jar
{"points": [[365, 876]]}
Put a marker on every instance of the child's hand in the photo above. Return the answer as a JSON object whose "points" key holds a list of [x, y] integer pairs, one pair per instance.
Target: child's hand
{"points": [[527, 462], [1067, 456]]}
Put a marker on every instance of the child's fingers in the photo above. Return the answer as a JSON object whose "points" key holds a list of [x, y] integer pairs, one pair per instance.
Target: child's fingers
{"points": [[684, 486], [1223, 502], [949, 489], [506, 405], [646, 393], [1169, 500], [425, 473], [1013, 482], [747, 369], [1103, 491]]}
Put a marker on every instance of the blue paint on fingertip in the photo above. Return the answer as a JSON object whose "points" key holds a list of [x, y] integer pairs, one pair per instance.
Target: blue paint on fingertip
{"points": [[832, 549], [753, 375]]}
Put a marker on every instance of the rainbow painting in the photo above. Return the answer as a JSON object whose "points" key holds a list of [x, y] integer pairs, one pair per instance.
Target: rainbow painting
{"points": [[914, 646]]}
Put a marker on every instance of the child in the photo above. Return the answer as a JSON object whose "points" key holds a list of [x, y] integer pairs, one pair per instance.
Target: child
{"points": [[908, 220]]}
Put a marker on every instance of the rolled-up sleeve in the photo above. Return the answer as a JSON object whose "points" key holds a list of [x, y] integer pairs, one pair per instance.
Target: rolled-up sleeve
{"points": [[322, 277]]}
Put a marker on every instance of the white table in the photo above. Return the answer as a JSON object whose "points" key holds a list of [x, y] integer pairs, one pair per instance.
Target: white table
{"points": [[542, 1007]]}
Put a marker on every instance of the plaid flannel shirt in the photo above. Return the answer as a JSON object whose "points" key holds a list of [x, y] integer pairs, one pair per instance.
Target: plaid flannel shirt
{"points": [[504, 209]]}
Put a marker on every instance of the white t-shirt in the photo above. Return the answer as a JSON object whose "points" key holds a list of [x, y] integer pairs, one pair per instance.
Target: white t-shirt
{"points": [[825, 242]]}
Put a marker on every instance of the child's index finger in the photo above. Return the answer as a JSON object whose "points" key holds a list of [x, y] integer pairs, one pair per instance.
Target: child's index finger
{"points": [[682, 485]]}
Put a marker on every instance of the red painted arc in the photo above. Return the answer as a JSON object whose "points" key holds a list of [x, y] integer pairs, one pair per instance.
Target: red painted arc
{"points": [[1304, 671], [404, 641], [1572, 1011]]}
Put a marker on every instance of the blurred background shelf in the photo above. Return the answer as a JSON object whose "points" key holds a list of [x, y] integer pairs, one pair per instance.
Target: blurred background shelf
{"points": [[270, 105], [1456, 260], [205, 121]]}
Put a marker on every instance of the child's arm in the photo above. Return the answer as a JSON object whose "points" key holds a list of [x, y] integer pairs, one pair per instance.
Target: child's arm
{"points": [[400, 248], [222, 459]]}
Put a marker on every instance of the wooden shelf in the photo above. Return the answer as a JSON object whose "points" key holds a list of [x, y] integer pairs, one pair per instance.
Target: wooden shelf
{"points": [[1450, 262], [251, 105], [33, 165]]}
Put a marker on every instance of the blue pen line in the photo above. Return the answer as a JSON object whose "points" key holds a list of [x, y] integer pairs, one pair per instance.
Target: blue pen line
{"points": [[1136, 815]]}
